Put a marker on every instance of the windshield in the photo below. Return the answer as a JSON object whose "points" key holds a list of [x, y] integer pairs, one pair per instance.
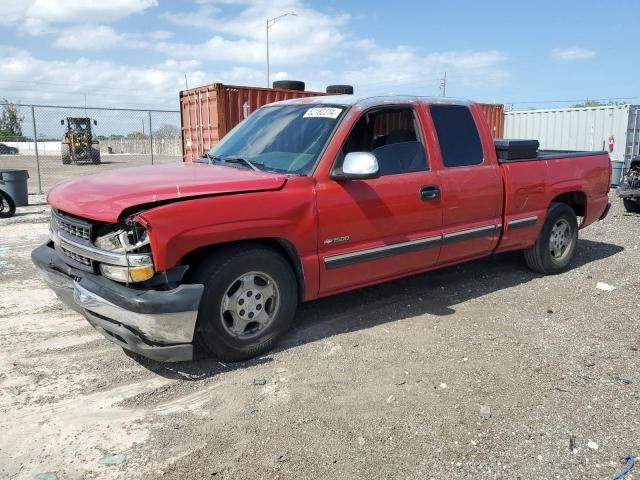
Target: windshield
{"points": [[79, 123], [285, 139]]}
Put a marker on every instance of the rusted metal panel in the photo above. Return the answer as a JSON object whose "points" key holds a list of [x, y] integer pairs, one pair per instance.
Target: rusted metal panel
{"points": [[209, 112], [494, 113]]}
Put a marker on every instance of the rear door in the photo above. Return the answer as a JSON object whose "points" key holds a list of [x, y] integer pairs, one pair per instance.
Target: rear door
{"points": [[376, 229], [471, 183]]}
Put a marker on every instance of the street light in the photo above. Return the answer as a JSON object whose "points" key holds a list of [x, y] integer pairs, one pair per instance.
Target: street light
{"points": [[270, 23]]}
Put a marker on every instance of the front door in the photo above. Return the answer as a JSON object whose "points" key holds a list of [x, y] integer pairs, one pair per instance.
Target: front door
{"points": [[377, 229]]}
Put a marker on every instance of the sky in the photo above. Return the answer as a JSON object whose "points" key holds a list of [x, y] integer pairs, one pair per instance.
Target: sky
{"points": [[136, 53]]}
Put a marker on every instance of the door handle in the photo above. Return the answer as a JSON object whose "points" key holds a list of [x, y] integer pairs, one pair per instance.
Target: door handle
{"points": [[431, 192]]}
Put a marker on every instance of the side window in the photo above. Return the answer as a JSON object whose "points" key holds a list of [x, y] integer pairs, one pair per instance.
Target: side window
{"points": [[393, 136], [457, 135]]}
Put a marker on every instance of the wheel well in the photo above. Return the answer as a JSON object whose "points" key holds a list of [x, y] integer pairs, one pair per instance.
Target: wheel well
{"points": [[280, 245], [576, 200]]}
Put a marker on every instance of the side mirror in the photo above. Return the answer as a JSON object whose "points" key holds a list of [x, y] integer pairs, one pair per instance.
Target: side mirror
{"points": [[357, 166], [61, 122], [95, 122]]}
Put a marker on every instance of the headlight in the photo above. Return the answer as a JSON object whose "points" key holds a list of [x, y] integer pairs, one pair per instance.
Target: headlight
{"points": [[133, 239], [127, 274], [124, 240]]}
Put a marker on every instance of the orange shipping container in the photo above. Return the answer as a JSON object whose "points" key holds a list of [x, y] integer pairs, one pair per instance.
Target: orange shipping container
{"points": [[495, 117], [208, 113]]}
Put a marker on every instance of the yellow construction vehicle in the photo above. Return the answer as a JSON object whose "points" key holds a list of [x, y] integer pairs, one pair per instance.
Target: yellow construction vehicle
{"points": [[78, 142]]}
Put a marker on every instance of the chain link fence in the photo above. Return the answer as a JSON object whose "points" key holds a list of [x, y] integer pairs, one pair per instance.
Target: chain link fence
{"points": [[56, 143]]}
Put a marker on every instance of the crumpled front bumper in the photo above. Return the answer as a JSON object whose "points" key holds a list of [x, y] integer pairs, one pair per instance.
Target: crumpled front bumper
{"points": [[156, 324]]}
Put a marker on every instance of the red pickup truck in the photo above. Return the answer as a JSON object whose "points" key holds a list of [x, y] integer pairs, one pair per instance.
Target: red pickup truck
{"points": [[304, 199]]}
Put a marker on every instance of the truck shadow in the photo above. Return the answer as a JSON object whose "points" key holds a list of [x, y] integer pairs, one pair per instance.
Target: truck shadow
{"points": [[432, 293]]}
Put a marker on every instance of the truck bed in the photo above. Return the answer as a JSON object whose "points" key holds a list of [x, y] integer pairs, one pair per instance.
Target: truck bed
{"points": [[554, 155]]}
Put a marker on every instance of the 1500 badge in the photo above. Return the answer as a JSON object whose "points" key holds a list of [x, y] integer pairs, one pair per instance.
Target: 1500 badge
{"points": [[344, 238]]}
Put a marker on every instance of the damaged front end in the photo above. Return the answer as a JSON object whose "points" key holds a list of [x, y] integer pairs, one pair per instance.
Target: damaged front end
{"points": [[106, 272]]}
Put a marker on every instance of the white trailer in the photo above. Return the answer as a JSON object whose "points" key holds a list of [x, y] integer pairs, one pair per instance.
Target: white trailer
{"points": [[614, 128]]}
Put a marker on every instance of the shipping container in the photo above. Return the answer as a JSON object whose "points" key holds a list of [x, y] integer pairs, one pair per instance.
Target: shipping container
{"points": [[495, 117], [207, 113], [614, 128]]}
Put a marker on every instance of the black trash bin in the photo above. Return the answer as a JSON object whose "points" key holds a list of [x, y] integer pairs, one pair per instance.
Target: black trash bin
{"points": [[14, 182]]}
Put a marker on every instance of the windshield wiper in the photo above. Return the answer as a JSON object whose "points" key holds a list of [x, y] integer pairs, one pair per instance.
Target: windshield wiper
{"points": [[257, 166], [248, 163], [206, 158]]}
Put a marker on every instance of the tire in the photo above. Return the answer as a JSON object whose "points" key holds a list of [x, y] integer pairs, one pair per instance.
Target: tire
{"points": [[225, 292], [95, 156], [630, 205], [289, 85], [7, 205], [65, 153], [540, 257], [340, 89]]}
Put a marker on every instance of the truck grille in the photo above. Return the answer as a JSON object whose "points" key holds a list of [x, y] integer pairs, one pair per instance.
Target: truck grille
{"points": [[76, 257], [74, 229]]}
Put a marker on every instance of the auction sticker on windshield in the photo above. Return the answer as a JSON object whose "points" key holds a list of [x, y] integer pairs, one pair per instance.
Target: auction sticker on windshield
{"points": [[322, 112]]}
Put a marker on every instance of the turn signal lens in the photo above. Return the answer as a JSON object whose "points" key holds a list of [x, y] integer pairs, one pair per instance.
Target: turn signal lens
{"points": [[126, 275]]}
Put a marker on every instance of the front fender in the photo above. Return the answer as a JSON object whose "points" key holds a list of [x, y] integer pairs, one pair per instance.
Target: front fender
{"points": [[180, 228]]}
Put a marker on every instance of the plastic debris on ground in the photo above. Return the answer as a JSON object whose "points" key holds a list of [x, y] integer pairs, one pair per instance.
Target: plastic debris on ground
{"points": [[605, 287], [627, 468], [115, 459]]}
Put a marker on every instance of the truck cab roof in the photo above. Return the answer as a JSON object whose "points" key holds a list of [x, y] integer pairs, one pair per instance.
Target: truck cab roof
{"points": [[370, 100]]}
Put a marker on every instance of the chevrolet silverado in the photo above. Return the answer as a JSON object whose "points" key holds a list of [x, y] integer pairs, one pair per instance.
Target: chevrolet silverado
{"points": [[307, 198]]}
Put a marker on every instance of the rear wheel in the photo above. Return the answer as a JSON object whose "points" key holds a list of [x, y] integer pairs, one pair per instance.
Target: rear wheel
{"points": [[65, 153], [249, 301], [556, 244], [630, 205]]}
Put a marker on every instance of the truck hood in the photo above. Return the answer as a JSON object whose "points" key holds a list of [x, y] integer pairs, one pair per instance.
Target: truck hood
{"points": [[104, 196]]}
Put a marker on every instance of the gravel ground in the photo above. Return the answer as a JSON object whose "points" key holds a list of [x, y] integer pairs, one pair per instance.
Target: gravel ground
{"points": [[484, 370]]}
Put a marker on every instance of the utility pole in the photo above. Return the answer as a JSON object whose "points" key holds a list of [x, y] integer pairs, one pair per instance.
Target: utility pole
{"points": [[268, 85], [443, 85], [270, 23]]}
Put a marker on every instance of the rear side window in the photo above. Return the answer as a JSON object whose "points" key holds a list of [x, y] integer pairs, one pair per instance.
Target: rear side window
{"points": [[457, 135]]}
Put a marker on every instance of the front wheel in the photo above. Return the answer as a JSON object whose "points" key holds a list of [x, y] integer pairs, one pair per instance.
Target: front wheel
{"points": [[249, 301], [556, 244], [65, 154], [95, 156]]}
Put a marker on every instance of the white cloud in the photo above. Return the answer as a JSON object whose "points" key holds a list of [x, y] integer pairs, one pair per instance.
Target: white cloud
{"points": [[572, 53], [101, 37], [315, 46], [92, 37], [308, 36], [106, 83], [379, 69], [70, 11], [200, 18]]}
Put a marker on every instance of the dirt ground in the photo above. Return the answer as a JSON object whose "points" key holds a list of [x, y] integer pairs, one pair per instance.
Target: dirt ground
{"points": [[53, 171], [485, 370]]}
